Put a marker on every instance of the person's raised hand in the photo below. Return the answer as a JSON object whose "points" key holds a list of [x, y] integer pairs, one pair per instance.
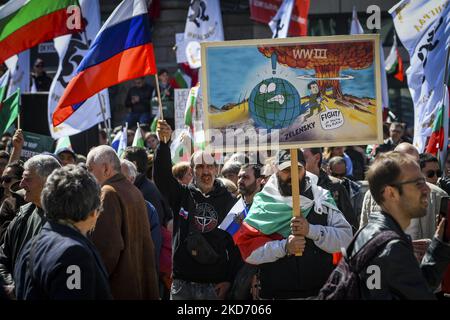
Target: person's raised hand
{"points": [[18, 139], [164, 131]]}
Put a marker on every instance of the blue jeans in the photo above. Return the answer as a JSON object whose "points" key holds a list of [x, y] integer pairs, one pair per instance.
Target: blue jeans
{"points": [[141, 117], [185, 290]]}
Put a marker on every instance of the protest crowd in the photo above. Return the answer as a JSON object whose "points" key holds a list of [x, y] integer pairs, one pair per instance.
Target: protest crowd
{"points": [[135, 219]]}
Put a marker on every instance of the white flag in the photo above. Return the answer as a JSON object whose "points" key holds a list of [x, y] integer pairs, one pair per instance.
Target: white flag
{"points": [[203, 23], [71, 50], [426, 72], [356, 28], [281, 21], [413, 18], [19, 67]]}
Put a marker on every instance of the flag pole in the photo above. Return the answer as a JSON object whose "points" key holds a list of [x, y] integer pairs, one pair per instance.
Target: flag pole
{"points": [[18, 118], [295, 187], [445, 120], [102, 108], [161, 116], [20, 111]]}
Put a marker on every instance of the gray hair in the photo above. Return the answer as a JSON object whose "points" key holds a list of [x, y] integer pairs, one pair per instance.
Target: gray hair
{"points": [[70, 193], [231, 168], [336, 160], [104, 155], [131, 170], [42, 164]]}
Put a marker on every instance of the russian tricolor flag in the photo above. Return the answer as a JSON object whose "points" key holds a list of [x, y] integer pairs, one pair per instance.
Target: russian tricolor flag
{"points": [[121, 51], [233, 220]]}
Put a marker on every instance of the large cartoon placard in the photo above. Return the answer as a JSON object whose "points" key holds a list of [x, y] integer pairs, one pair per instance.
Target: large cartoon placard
{"points": [[303, 92]]}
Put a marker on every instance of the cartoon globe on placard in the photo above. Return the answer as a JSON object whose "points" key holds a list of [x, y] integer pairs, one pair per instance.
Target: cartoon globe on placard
{"points": [[274, 103]]}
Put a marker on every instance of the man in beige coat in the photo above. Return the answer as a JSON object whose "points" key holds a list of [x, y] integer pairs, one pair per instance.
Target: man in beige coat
{"points": [[122, 234]]}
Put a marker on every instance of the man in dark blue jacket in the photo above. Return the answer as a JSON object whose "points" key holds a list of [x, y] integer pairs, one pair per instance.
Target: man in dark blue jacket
{"points": [[205, 258]]}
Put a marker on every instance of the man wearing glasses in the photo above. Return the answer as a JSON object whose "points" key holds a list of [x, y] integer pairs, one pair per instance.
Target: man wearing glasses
{"points": [[429, 165], [399, 187]]}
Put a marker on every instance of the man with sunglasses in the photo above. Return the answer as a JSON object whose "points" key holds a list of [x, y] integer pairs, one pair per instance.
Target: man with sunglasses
{"points": [[429, 165]]}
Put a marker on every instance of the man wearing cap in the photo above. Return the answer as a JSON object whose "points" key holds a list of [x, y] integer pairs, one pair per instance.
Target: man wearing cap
{"points": [[66, 156], [205, 258], [271, 238]]}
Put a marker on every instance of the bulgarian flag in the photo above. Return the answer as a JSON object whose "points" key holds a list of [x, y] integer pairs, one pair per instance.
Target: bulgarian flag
{"points": [[394, 62], [26, 23], [181, 80], [9, 110], [191, 104], [63, 143], [138, 140], [270, 216], [437, 142]]}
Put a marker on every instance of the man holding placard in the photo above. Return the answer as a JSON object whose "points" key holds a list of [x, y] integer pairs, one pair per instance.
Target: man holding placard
{"points": [[272, 239]]}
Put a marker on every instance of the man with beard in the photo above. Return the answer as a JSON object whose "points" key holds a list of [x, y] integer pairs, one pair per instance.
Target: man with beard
{"points": [[249, 182], [205, 258], [400, 189], [271, 238]]}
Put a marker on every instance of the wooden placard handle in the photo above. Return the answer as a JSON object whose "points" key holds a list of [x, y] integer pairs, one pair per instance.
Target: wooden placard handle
{"points": [[295, 187]]}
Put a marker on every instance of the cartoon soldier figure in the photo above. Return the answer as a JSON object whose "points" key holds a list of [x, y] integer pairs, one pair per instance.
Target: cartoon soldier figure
{"points": [[314, 99]]}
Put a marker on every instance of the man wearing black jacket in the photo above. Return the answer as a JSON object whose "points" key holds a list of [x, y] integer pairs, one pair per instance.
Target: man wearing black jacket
{"points": [[313, 157], [30, 218], [399, 187], [205, 258]]}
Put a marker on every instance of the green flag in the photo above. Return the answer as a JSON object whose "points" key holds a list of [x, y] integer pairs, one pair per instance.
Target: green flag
{"points": [[62, 143], [154, 123], [138, 140], [9, 110]]}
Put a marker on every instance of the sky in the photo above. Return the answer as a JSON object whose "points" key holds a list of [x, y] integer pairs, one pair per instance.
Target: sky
{"points": [[233, 72]]}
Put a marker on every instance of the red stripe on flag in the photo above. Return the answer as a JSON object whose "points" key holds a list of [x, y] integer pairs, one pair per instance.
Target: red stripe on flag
{"points": [[248, 239], [50, 26], [399, 75], [436, 142], [129, 64]]}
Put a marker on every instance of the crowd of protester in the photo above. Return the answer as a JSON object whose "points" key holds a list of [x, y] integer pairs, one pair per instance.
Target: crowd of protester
{"points": [[142, 227]]}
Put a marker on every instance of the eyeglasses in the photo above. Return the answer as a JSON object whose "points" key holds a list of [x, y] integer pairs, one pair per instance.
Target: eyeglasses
{"points": [[419, 182], [431, 173], [39, 65], [6, 179]]}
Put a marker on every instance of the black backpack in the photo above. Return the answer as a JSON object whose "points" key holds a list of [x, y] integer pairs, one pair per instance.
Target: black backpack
{"points": [[344, 281]]}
